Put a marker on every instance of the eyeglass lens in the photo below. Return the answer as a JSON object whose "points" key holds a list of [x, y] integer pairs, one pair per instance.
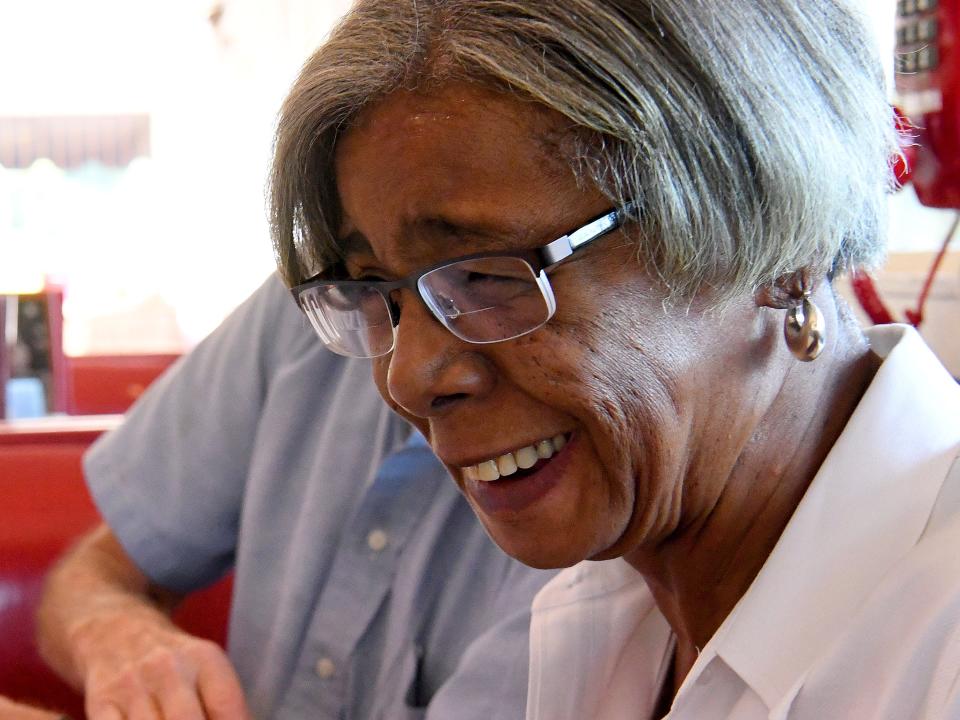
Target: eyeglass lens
{"points": [[481, 300], [351, 320]]}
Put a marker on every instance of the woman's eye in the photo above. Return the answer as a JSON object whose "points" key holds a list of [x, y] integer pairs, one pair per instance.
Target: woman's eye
{"points": [[366, 275], [480, 277], [362, 269]]}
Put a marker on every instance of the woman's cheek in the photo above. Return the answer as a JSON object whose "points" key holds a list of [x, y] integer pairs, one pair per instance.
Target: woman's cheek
{"points": [[380, 367]]}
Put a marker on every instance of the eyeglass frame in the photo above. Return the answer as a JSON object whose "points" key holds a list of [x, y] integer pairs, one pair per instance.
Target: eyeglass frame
{"points": [[541, 260]]}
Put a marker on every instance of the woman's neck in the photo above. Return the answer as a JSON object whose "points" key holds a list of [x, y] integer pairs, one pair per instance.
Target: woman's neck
{"points": [[699, 573]]}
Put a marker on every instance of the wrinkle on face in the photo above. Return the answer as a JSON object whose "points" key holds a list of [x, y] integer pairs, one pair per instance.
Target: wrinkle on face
{"points": [[642, 384]]}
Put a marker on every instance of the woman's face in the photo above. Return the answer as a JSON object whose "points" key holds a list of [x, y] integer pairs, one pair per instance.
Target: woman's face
{"points": [[641, 407]]}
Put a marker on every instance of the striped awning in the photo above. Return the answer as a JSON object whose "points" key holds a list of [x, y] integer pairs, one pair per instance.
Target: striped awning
{"points": [[72, 141]]}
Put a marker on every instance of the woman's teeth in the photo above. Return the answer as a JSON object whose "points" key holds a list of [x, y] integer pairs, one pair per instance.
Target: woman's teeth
{"points": [[524, 458]]}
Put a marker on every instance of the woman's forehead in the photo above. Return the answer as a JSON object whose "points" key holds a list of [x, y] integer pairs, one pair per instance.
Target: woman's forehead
{"points": [[457, 124], [459, 155], [456, 100]]}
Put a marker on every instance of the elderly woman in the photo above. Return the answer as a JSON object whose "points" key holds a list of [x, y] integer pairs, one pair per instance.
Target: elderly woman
{"points": [[590, 247]]}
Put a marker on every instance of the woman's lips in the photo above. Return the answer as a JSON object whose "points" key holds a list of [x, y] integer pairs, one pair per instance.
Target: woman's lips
{"points": [[513, 493]]}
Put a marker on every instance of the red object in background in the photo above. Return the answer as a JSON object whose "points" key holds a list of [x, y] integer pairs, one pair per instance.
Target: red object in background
{"points": [[82, 385], [928, 92], [904, 163], [103, 384], [928, 120], [4, 357], [58, 390], [869, 299], [45, 508]]}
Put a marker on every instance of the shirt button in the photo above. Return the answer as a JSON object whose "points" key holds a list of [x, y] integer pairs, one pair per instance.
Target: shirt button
{"points": [[325, 668], [377, 540]]}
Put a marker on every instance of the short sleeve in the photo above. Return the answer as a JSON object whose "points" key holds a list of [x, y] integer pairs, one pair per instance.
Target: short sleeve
{"points": [[170, 480]]}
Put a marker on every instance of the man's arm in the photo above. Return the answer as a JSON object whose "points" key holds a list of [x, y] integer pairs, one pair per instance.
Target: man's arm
{"points": [[105, 628]]}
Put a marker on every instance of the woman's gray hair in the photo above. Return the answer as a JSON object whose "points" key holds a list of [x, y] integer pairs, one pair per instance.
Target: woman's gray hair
{"points": [[753, 135]]}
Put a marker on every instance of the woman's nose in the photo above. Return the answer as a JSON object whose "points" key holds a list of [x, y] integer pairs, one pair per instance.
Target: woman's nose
{"points": [[431, 371]]}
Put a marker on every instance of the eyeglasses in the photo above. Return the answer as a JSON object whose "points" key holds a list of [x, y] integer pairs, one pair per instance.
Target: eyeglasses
{"points": [[481, 298]]}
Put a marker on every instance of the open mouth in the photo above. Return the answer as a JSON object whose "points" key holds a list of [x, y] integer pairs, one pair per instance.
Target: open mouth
{"points": [[517, 464], [512, 482]]}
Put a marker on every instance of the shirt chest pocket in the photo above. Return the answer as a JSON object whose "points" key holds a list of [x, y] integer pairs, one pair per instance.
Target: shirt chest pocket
{"points": [[405, 695]]}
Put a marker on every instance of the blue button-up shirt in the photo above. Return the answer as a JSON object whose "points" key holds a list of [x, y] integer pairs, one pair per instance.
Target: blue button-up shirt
{"points": [[364, 586]]}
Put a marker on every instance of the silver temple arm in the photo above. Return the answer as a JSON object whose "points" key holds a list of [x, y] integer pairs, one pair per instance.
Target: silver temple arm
{"points": [[564, 246]]}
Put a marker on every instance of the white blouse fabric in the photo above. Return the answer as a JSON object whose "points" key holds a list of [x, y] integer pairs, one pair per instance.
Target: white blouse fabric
{"points": [[855, 615]]}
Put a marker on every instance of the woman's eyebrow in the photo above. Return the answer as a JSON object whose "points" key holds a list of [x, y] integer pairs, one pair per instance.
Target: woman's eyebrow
{"points": [[433, 233], [354, 243], [484, 236]]}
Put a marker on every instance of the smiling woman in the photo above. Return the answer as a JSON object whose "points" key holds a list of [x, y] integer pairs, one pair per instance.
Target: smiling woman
{"points": [[590, 248]]}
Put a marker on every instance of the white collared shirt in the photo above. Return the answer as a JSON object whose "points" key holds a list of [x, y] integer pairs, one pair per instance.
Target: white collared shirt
{"points": [[854, 616]]}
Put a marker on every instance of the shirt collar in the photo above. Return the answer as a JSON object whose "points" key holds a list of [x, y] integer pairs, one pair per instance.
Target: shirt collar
{"points": [[866, 507]]}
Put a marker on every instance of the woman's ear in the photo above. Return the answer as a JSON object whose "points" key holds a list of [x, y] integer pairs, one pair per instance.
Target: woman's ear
{"points": [[803, 323], [786, 291]]}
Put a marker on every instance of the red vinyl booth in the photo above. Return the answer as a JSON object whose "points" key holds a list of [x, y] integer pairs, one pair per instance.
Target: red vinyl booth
{"points": [[98, 384], [44, 507]]}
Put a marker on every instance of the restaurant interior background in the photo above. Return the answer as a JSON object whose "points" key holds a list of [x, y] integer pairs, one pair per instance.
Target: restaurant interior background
{"points": [[134, 141]]}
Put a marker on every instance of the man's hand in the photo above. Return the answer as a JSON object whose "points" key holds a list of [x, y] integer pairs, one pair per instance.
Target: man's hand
{"points": [[105, 629], [10, 710], [143, 670]]}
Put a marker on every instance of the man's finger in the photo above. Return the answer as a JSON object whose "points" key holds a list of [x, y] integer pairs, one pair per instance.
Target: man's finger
{"points": [[108, 712], [144, 707], [220, 691], [171, 681], [180, 701]]}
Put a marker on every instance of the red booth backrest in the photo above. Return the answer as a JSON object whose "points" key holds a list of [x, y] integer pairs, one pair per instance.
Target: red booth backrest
{"points": [[44, 507], [99, 384]]}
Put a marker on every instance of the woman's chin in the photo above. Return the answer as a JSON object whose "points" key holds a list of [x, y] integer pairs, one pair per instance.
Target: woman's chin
{"points": [[542, 543], [554, 515], [535, 552]]}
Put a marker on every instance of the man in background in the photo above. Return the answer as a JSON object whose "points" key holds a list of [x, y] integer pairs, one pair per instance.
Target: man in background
{"points": [[364, 587]]}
